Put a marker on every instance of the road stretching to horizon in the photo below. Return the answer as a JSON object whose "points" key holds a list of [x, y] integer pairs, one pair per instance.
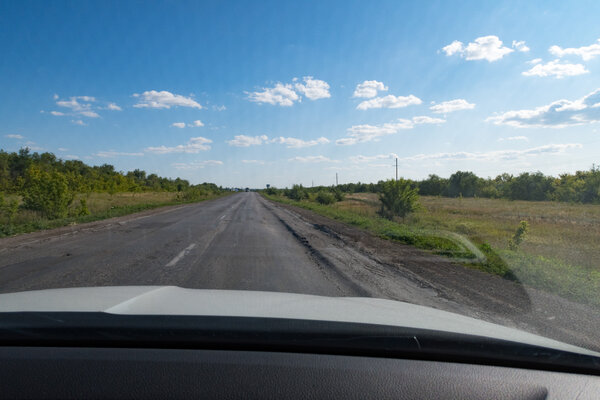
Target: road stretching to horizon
{"points": [[245, 242]]}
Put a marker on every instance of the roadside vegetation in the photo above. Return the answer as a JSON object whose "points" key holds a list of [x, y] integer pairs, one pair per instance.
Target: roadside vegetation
{"points": [[549, 245], [40, 191]]}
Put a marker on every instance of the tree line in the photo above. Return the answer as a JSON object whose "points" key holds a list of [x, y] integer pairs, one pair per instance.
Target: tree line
{"points": [[580, 187], [49, 184]]}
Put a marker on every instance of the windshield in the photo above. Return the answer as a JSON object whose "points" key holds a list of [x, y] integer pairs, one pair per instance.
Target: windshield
{"points": [[433, 153]]}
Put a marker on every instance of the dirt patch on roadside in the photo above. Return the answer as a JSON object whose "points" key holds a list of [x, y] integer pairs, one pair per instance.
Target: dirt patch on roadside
{"points": [[485, 296]]}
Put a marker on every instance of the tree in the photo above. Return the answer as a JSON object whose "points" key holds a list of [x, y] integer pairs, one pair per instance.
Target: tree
{"points": [[464, 184], [397, 198], [47, 192]]}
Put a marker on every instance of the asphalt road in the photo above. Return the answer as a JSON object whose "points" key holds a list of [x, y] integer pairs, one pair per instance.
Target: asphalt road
{"points": [[245, 242]]}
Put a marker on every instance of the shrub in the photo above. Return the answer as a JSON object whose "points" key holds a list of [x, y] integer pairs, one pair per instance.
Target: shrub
{"points": [[324, 197], [397, 199], [339, 195], [82, 210], [47, 192], [519, 236], [297, 192]]}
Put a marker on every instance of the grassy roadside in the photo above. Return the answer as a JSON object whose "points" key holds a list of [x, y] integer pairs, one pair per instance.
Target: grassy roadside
{"points": [[101, 206], [468, 231]]}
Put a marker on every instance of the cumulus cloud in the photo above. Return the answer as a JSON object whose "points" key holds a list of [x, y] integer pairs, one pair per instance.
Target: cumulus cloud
{"points": [[178, 125], [81, 106], [585, 52], [367, 133], [78, 122], [260, 162], [13, 136], [389, 101], [514, 138], [556, 69], [313, 89], [113, 154], [534, 61], [164, 99], [496, 155], [363, 159], [285, 94], [483, 48], [194, 145], [312, 159], [294, 143], [197, 123], [451, 105], [246, 141], [197, 164], [369, 89], [519, 45], [559, 114]]}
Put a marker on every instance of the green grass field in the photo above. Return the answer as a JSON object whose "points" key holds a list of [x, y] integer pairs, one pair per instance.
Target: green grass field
{"points": [[560, 254], [100, 206]]}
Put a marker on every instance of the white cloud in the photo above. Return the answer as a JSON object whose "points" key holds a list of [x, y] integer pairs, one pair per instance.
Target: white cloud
{"points": [[366, 133], [534, 61], [113, 154], [197, 164], [79, 105], [178, 125], [295, 143], [369, 89], [361, 159], [219, 108], [13, 136], [313, 89], [246, 141], [55, 97], [113, 107], [556, 69], [197, 123], [514, 138], [78, 122], [312, 159], [62, 149], [559, 114], [520, 46], [283, 95], [164, 99], [451, 105], [89, 114], [194, 145], [585, 52], [389, 101], [495, 155], [483, 48], [260, 162]]}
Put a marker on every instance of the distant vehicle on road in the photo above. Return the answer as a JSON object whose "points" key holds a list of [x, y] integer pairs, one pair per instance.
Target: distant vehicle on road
{"points": [[247, 189]]}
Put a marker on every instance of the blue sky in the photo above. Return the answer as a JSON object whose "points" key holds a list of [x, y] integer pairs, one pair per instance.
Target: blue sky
{"points": [[248, 93]]}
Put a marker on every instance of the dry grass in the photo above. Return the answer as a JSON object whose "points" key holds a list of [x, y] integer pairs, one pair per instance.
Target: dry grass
{"points": [[567, 232]]}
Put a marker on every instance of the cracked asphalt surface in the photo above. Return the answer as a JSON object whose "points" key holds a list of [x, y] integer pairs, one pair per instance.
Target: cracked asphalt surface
{"points": [[246, 242]]}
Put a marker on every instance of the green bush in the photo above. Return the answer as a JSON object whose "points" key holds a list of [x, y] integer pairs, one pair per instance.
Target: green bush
{"points": [[339, 195], [397, 199], [47, 192], [297, 192], [82, 210], [324, 197]]}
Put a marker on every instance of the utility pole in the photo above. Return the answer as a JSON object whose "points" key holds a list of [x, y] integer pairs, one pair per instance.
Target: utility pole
{"points": [[336, 179], [396, 168]]}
